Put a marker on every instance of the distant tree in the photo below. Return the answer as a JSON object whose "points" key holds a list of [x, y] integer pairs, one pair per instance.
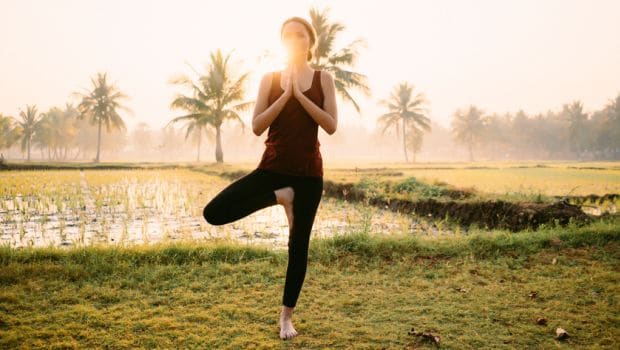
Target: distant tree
{"points": [[142, 135], [196, 125], [415, 139], [10, 131], [56, 131], [100, 105], [496, 135], [577, 126], [612, 124], [409, 109], [29, 120], [468, 128]]}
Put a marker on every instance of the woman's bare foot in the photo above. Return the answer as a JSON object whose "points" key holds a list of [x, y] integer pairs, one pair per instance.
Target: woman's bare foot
{"points": [[284, 196], [287, 331]]}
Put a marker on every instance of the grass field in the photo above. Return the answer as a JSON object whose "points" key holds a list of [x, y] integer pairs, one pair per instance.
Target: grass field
{"points": [[361, 292], [143, 269]]}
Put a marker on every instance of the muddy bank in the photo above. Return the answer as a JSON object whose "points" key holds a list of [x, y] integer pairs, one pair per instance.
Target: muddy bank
{"points": [[593, 198], [514, 216], [598, 205], [485, 214]]}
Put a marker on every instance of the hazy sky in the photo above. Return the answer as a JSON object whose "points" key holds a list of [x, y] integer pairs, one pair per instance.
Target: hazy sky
{"points": [[499, 55]]}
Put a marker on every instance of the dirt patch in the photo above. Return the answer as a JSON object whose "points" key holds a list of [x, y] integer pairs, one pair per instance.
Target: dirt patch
{"points": [[495, 214]]}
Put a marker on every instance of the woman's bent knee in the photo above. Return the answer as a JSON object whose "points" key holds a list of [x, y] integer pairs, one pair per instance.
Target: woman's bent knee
{"points": [[212, 215]]}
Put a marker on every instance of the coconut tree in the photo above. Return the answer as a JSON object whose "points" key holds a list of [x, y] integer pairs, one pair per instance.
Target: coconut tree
{"points": [[28, 123], [408, 109], [214, 98], [100, 105], [468, 128], [10, 132], [577, 126], [612, 109], [56, 131], [44, 133], [337, 61], [198, 119], [195, 128], [415, 137]]}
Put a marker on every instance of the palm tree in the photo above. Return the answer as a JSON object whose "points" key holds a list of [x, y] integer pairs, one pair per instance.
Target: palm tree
{"points": [[414, 141], [613, 122], [100, 106], [194, 128], [9, 132], [44, 131], [28, 124], [326, 58], [404, 106], [213, 100], [577, 126], [196, 121], [468, 128], [56, 131]]}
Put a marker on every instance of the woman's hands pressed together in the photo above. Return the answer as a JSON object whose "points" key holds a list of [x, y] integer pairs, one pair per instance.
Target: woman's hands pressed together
{"points": [[326, 115], [291, 87], [288, 86], [295, 83]]}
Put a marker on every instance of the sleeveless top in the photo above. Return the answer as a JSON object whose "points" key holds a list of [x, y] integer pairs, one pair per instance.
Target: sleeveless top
{"points": [[292, 146]]}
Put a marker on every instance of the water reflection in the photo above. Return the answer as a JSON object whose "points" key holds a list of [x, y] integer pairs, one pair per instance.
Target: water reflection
{"points": [[144, 207]]}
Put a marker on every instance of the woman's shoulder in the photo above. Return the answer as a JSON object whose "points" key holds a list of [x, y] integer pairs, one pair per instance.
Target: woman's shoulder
{"points": [[326, 77], [327, 81], [268, 79]]}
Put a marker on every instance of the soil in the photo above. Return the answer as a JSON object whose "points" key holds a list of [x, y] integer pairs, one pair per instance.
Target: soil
{"points": [[492, 214]]}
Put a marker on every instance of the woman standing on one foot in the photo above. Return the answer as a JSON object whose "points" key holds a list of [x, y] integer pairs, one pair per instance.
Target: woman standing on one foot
{"points": [[292, 103]]}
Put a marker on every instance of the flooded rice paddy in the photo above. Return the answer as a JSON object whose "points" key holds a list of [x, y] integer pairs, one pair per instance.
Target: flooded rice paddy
{"points": [[85, 207]]}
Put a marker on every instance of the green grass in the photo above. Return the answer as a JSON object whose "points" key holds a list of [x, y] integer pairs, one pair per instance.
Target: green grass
{"points": [[361, 291]]}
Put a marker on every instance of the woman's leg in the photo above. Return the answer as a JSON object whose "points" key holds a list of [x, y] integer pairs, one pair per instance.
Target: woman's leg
{"points": [[243, 197], [308, 192]]}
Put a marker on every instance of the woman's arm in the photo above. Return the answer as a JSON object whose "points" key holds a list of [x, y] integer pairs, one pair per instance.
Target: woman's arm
{"points": [[263, 116], [327, 117]]}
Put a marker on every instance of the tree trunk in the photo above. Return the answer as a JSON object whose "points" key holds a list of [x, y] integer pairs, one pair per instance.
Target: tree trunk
{"points": [[199, 139], [28, 148], [405, 140], [98, 142], [219, 156]]}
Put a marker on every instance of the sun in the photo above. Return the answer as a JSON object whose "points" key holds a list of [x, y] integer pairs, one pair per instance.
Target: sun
{"points": [[270, 59], [267, 60]]}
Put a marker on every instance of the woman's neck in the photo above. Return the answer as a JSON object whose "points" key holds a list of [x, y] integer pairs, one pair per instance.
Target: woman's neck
{"points": [[300, 65]]}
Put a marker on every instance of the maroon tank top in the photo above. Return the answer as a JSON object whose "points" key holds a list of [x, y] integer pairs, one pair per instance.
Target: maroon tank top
{"points": [[292, 145]]}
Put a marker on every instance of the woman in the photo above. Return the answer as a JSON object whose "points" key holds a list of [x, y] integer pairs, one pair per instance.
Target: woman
{"points": [[293, 104]]}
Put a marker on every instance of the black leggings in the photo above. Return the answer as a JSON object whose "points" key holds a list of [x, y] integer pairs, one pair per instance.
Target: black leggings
{"points": [[256, 191]]}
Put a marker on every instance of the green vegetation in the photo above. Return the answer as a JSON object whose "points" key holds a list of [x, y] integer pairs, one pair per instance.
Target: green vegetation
{"points": [[474, 289], [486, 289]]}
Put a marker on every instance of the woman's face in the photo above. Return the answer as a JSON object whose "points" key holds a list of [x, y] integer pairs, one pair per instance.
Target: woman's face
{"points": [[296, 40]]}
